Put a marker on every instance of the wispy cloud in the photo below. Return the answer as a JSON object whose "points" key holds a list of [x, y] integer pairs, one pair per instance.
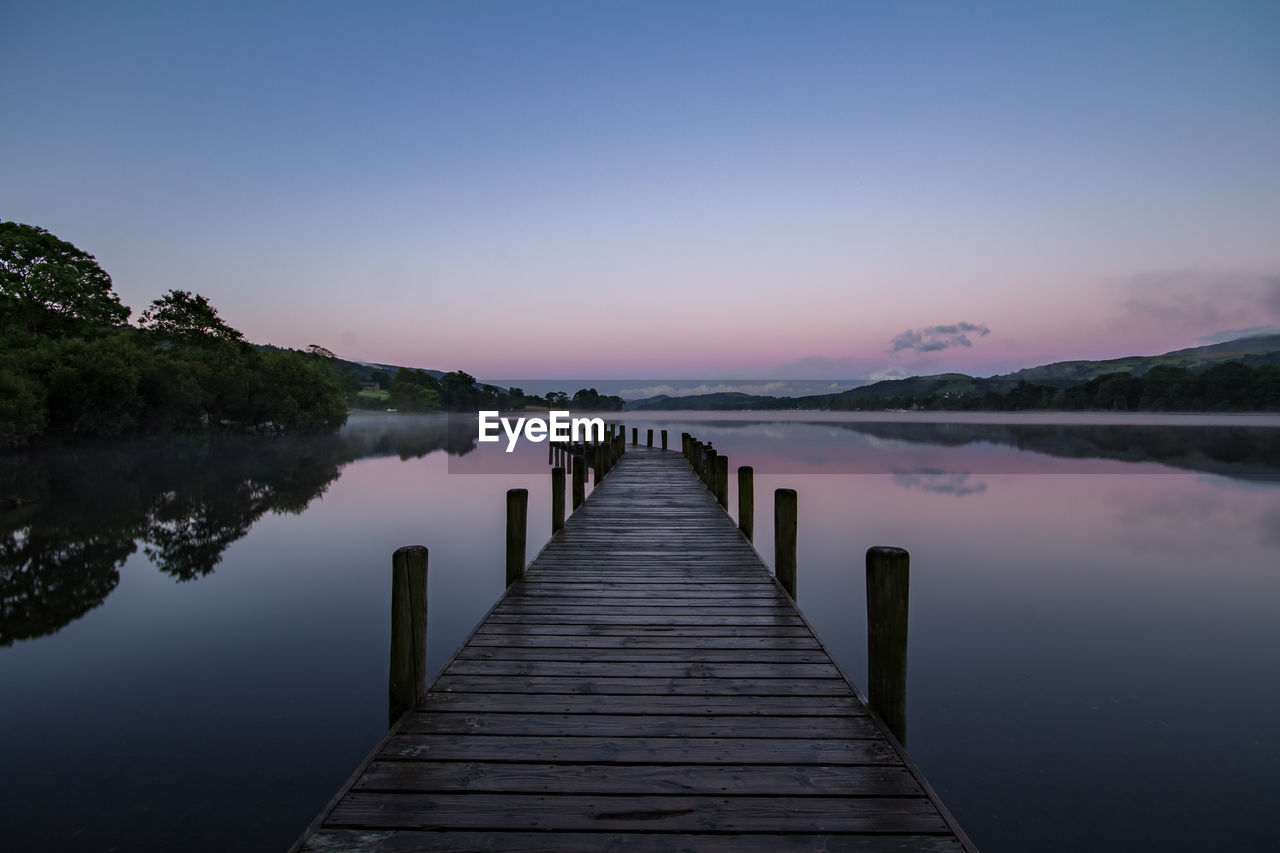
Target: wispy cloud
{"points": [[1200, 300], [934, 338], [1236, 334]]}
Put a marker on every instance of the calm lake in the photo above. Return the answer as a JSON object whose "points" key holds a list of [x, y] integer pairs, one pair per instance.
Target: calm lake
{"points": [[193, 649]]}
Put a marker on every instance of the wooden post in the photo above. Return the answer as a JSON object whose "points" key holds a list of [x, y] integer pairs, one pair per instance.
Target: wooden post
{"points": [[722, 481], [888, 583], [517, 516], [635, 435], [709, 469], [664, 439], [597, 467], [784, 539], [579, 480], [746, 501], [406, 684], [557, 500], [622, 441], [649, 440], [684, 444]]}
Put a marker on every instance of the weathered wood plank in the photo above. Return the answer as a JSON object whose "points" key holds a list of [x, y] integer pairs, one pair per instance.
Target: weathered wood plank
{"points": [[632, 750], [648, 640], [629, 669], [570, 812], [413, 841], [648, 725], [635, 654], [588, 703], [678, 686], [807, 780]]}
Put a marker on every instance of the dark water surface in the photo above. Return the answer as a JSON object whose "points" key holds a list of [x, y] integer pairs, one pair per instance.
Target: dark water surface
{"points": [[193, 646]]}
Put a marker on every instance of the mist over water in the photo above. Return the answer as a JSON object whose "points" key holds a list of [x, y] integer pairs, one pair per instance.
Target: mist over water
{"points": [[194, 634]]}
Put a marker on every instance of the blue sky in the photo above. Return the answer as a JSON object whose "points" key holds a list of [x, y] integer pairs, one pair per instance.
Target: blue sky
{"points": [[678, 189]]}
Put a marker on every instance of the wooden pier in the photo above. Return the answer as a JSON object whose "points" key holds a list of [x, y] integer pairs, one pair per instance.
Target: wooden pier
{"points": [[647, 686]]}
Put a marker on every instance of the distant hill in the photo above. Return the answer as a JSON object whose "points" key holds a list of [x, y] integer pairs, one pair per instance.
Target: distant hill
{"points": [[1252, 351], [723, 401]]}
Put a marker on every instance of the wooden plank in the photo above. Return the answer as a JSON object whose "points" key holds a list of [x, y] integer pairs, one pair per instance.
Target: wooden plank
{"points": [[796, 630], [588, 703], [634, 654], [683, 643], [633, 750], [632, 669], [680, 686], [811, 780], [571, 812], [413, 841], [630, 725]]}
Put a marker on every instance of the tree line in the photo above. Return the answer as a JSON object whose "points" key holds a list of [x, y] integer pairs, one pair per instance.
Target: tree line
{"points": [[1228, 387], [412, 390], [72, 367]]}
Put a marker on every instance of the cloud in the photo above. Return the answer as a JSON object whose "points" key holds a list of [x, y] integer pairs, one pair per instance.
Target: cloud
{"points": [[1201, 300], [1236, 334], [936, 338]]}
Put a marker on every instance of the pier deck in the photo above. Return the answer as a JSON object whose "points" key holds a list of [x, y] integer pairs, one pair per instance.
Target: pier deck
{"points": [[647, 686]]}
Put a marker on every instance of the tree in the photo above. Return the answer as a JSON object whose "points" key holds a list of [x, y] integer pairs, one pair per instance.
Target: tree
{"points": [[414, 391], [458, 390], [187, 318], [48, 285]]}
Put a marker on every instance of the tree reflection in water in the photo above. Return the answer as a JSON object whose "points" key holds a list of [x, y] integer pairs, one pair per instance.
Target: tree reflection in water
{"points": [[71, 517]]}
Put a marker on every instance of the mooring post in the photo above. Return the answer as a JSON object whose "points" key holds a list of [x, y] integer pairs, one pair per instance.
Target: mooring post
{"points": [[709, 469], [649, 439], [664, 439], [407, 681], [684, 444], [746, 501], [597, 467], [722, 481], [635, 435], [579, 480], [784, 539], [888, 584], [557, 500], [517, 516]]}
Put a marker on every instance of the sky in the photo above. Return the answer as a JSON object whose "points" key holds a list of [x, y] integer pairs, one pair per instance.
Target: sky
{"points": [[842, 190]]}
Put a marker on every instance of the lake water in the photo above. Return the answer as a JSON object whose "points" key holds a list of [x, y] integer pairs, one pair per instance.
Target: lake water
{"points": [[193, 649]]}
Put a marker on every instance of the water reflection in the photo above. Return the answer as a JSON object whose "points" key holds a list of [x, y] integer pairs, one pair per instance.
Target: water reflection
{"points": [[73, 516], [934, 480], [823, 446]]}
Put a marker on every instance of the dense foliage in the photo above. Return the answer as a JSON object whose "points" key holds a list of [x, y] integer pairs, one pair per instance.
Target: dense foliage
{"points": [[1227, 387], [71, 368]]}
